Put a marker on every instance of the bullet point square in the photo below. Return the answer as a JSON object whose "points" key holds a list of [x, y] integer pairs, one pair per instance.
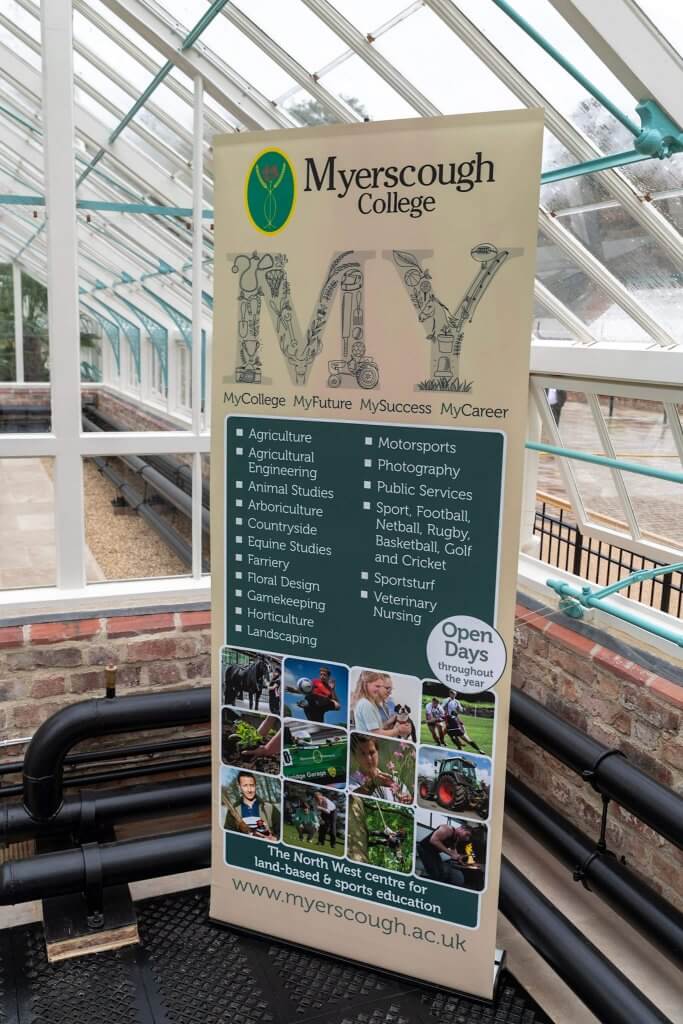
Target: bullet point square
{"points": [[364, 576], [363, 593], [368, 440], [238, 502], [238, 485], [367, 463], [238, 539], [238, 611], [238, 593], [238, 628], [239, 451], [367, 505], [238, 557], [238, 575], [367, 484], [238, 520], [239, 432]]}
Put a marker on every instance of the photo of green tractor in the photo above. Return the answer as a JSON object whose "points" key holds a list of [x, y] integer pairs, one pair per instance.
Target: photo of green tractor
{"points": [[456, 782]]}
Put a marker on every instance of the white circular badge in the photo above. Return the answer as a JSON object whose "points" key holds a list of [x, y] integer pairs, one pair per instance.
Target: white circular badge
{"points": [[466, 654]]}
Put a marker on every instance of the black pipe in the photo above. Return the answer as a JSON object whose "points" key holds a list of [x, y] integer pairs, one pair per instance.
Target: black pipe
{"points": [[620, 888], [44, 760], [173, 469], [117, 753], [136, 501], [107, 807], [611, 774], [62, 872], [139, 771], [598, 983], [177, 496]]}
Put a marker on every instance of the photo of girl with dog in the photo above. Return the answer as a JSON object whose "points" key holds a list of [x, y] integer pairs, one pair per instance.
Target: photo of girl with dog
{"points": [[385, 704]]}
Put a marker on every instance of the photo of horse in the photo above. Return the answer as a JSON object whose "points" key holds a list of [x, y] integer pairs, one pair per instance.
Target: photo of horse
{"points": [[251, 680]]}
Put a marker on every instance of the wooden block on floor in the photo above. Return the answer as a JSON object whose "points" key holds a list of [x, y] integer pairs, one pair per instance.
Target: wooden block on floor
{"points": [[68, 933]]}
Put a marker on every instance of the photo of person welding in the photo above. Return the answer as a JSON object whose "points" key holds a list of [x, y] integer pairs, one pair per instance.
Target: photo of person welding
{"points": [[450, 850]]}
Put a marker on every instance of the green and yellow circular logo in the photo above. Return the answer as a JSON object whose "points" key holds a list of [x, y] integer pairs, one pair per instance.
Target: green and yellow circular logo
{"points": [[270, 191]]}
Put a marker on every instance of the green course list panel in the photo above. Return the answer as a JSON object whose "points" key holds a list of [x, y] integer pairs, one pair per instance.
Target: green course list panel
{"points": [[350, 541]]}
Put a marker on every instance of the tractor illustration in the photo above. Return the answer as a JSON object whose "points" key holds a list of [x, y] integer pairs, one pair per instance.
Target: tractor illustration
{"points": [[455, 786]]}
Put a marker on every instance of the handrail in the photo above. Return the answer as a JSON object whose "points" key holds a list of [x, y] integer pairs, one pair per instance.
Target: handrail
{"points": [[604, 460]]}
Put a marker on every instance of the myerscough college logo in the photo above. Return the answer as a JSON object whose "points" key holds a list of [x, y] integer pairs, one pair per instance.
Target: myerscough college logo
{"points": [[270, 191]]}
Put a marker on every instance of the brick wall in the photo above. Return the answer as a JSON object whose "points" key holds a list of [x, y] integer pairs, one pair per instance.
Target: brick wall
{"points": [[621, 705], [47, 665]]}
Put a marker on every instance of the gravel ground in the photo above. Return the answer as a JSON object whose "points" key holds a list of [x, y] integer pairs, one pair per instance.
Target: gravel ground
{"points": [[125, 546]]}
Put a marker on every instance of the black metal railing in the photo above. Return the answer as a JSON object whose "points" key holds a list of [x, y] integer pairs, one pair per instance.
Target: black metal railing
{"points": [[601, 562]]}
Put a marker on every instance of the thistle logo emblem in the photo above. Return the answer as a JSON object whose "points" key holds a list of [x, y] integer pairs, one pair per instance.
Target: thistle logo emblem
{"points": [[270, 191]]}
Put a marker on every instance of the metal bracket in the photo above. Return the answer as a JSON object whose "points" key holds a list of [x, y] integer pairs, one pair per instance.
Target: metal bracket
{"points": [[659, 136]]}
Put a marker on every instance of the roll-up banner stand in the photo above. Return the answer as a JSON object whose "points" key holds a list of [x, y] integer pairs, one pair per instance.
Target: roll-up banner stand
{"points": [[373, 305]]}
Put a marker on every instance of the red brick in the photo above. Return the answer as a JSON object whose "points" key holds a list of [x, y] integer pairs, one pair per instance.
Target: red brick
{"points": [[622, 723], [650, 764], [56, 632], [11, 636], [9, 689], [608, 688], [574, 641], [49, 686], [30, 716], [670, 692], [88, 682], [162, 649], [196, 620], [165, 674], [672, 753], [42, 657], [101, 655], [573, 663], [653, 711], [199, 668], [134, 625], [621, 667]]}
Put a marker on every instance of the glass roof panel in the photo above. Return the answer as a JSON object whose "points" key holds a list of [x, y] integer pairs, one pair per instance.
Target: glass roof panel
{"points": [[474, 87], [354, 79], [246, 58], [370, 16], [561, 90], [22, 19], [635, 259], [672, 209], [96, 7], [584, 296], [656, 175], [105, 49], [546, 326], [296, 29], [21, 49]]}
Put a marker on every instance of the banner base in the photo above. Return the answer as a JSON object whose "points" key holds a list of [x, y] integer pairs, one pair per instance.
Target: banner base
{"points": [[497, 966]]}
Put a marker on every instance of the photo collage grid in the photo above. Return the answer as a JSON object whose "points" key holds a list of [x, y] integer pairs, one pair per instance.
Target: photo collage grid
{"points": [[374, 766]]}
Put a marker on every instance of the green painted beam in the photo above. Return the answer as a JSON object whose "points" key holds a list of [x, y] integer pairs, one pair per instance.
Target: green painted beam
{"points": [[631, 156], [560, 59]]}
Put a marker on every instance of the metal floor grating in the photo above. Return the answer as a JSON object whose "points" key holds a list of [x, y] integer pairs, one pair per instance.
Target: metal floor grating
{"points": [[188, 970]]}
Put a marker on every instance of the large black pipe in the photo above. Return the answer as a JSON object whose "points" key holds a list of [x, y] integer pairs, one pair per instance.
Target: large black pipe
{"points": [[44, 759], [598, 983], [625, 892], [611, 774], [107, 807], [62, 872]]}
